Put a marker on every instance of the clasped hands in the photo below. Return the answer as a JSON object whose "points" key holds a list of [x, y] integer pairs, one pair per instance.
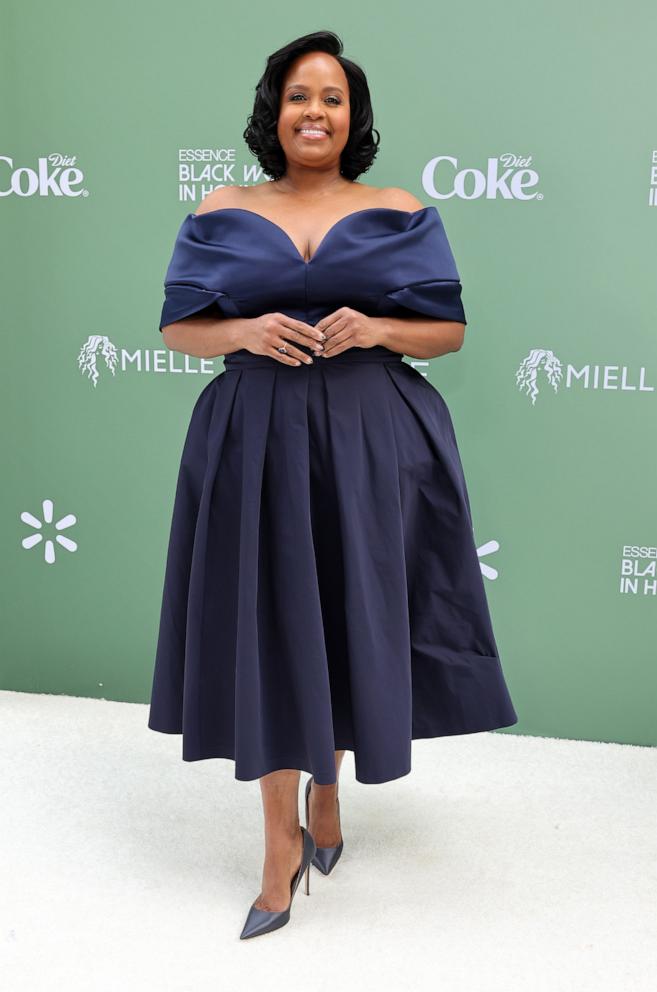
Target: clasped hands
{"points": [[345, 328], [282, 337]]}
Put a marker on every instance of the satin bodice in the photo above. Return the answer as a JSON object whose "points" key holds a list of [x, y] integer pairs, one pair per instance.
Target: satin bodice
{"points": [[379, 260]]}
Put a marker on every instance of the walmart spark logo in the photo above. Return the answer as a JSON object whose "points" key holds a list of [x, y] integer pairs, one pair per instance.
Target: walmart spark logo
{"points": [[48, 542], [487, 570]]}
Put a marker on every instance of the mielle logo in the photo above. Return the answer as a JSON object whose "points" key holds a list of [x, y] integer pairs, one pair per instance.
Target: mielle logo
{"points": [[55, 175], [609, 377], [99, 353], [507, 177]]}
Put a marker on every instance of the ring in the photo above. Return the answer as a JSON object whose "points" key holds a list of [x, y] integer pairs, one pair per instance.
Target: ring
{"points": [[283, 350]]}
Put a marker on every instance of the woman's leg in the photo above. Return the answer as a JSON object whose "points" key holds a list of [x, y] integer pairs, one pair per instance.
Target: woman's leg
{"points": [[283, 838], [324, 823]]}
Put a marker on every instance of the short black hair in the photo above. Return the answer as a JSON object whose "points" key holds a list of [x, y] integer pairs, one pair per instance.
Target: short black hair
{"points": [[260, 134]]}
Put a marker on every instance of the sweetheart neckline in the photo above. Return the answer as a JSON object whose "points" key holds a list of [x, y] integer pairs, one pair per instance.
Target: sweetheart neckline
{"points": [[338, 223]]}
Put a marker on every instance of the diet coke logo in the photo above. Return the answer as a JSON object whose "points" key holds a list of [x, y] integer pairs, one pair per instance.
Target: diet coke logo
{"points": [[55, 175], [508, 176]]}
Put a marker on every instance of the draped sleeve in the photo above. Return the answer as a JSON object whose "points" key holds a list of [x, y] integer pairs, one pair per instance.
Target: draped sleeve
{"points": [[422, 275], [194, 280]]}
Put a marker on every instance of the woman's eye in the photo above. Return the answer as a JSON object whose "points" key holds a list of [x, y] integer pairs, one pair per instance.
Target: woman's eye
{"points": [[335, 98]]}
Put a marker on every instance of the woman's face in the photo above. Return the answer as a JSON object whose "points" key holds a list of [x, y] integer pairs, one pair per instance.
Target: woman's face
{"points": [[315, 100]]}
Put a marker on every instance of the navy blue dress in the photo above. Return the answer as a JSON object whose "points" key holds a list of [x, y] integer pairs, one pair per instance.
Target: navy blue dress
{"points": [[322, 587]]}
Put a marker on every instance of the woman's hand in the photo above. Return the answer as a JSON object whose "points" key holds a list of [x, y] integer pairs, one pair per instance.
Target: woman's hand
{"points": [[264, 334], [347, 328]]}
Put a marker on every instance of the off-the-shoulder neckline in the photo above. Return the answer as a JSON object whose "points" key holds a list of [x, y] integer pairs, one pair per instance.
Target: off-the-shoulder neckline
{"points": [[338, 223]]}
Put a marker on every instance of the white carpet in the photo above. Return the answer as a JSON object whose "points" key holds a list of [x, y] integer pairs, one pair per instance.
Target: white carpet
{"points": [[501, 862]]}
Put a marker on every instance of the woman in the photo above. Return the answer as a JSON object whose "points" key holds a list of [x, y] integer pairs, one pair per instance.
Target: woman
{"points": [[322, 589]]}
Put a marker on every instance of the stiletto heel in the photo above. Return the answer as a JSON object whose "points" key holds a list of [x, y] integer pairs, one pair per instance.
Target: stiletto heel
{"points": [[260, 921], [325, 858]]}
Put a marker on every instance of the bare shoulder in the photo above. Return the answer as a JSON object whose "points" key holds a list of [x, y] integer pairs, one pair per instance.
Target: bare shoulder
{"points": [[399, 199], [224, 196]]}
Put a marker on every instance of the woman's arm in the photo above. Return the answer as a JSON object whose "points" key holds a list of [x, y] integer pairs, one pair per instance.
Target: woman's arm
{"points": [[419, 337], [415, 335], [205, 337]]}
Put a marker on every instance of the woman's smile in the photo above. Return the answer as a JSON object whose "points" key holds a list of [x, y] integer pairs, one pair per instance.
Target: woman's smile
{"points": [[313, 133]]}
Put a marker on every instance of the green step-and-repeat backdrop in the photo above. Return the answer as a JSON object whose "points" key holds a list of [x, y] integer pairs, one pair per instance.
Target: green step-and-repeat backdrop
{"points": [[531, 129]]}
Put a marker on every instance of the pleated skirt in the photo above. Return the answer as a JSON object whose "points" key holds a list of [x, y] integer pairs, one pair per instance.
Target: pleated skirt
{"points": [[322, 588]]}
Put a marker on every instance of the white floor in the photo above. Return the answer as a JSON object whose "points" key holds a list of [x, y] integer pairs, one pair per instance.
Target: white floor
{"points": [[501, 862]]}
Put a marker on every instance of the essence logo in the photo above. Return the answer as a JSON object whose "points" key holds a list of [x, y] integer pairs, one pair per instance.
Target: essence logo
{"points": [[638, 576], [442, 179], [99, 353], [55, 175], [49, 544], [543, 362]]}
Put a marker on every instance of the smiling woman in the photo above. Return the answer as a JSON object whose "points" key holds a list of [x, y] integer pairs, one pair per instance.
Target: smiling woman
{"points": [[322, 591], [311, 131], [308, 83]]}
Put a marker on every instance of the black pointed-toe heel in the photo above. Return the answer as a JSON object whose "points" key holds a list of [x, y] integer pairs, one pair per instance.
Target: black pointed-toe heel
{"points": [[325, 858], [261, 920]]}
